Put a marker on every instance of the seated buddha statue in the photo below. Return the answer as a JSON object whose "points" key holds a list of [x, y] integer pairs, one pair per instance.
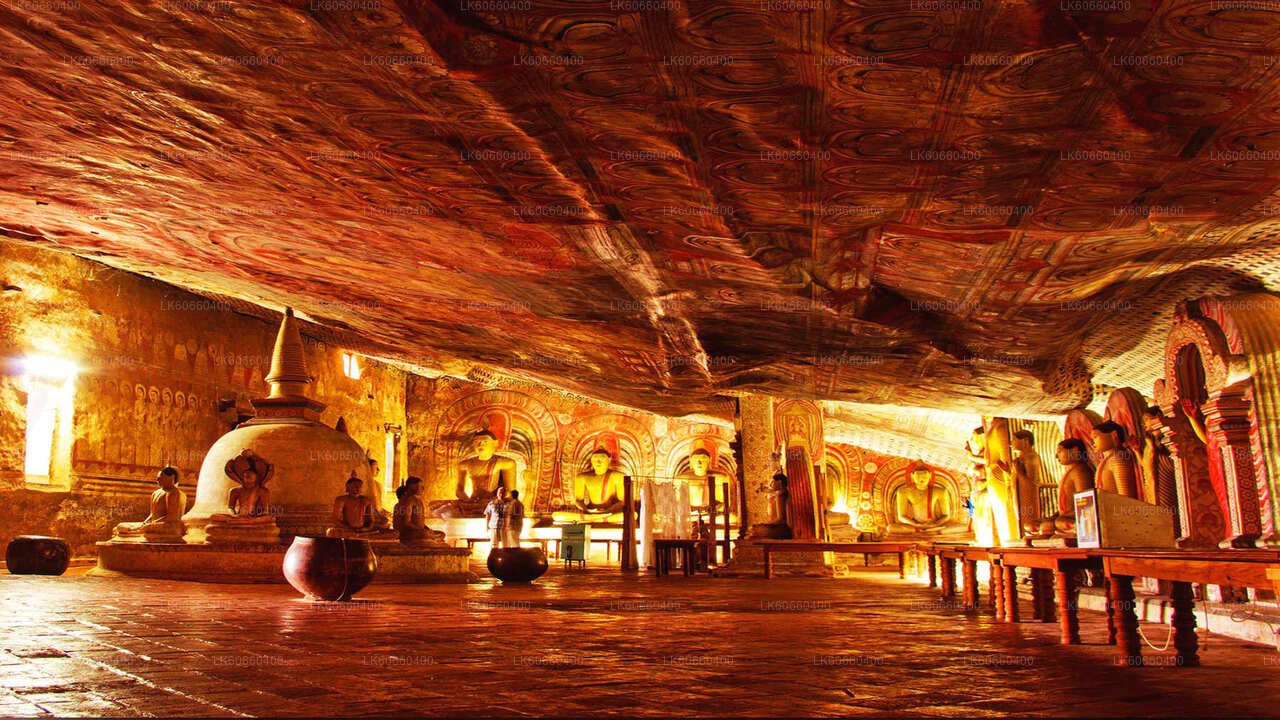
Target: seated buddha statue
{"points": [[164, 522], [775, 525], [699, 475], [250, 518], [478, 478], [1077, 477], [355, 517], [923, 506], [409, 518], [597, 494], [1118, 470]]}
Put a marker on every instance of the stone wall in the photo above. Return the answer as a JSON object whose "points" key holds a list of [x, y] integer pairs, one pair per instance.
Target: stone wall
{"points": [[162, 373]]}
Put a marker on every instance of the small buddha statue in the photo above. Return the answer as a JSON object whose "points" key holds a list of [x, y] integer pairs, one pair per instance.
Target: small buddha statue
{"points": [[354, 515], [597, 494], [478, 478], [164, 522], [1077, 477], [922, 506], [410, 515], [1118, 471], [250, 518], [776, 525]]}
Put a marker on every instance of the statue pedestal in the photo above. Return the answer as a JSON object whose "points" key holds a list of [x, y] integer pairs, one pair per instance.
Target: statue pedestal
{"points": [[233, 562]]}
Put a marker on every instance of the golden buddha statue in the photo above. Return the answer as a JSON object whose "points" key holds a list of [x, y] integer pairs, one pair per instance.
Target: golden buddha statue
{"points": [[1078, 477], [699, 475], [1118, 471], [597, 494], [478, 477], [922, 506], [164, 522], [356, 517], [250, 519]]}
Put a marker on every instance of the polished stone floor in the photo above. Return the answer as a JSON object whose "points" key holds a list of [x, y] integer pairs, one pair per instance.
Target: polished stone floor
{"points": [[577, 644]]}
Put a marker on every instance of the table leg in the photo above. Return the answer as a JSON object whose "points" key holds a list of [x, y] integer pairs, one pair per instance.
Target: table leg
{"points": [[933, 571], [1068, 608], [1128, 644], [948, 578], [1037, 595], [902, 564], [768, 562], [993, 594], [997, 589], [1011, 613], [1111, 614], [1184, 625], [1046, 594], [969, 578]]}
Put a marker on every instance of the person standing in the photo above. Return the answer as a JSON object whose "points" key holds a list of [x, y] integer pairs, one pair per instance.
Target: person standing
{"points": [[496, 514], [515, 520]]}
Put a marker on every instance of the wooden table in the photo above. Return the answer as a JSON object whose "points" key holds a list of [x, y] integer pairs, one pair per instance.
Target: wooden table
{"points": [[771, 546], [1247, 568], [1047, 566], [665, 550]]}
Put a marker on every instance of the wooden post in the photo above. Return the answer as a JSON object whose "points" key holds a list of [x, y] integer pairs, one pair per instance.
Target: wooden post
{"points": [[1037, 595], [712, 505], [725, 553], [993, 588], [933, 570], [627, 554]]}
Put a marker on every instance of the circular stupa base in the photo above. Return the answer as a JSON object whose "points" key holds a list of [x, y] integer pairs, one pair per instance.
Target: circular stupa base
{"points": [[262, 562]]}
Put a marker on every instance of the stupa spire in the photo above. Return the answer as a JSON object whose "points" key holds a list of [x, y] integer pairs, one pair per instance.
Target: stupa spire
{"points": [[288, 377]]}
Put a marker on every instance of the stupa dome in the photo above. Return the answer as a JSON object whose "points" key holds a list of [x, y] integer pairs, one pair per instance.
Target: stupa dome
{"points": [[310, 461]]}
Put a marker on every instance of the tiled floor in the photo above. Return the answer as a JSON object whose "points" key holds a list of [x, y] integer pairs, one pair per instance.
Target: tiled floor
{"points": [[581, 644]]}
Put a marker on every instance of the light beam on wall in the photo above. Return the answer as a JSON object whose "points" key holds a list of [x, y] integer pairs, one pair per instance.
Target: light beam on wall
{"points": [[47, 383]]}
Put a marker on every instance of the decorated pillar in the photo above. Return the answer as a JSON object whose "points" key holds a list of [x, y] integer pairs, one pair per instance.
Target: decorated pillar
{"points": [[1227, 422], [755, 428]]}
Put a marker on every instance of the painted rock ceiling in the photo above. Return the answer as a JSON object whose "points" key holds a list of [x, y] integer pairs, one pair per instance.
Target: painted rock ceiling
{"points": [[960, 204]]}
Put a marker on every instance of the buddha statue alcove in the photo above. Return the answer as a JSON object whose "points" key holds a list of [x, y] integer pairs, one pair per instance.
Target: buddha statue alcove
{"points": [[597, 493], [476, 479], [163, 523], [922, 505], [700, 476]]}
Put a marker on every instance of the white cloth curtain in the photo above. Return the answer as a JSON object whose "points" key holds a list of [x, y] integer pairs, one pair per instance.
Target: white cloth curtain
{"points": [[664, 513]]}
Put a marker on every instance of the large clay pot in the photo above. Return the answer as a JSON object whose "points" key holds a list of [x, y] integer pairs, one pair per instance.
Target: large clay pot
{"points": [[329, 568], [517, 565], [37, 555]]}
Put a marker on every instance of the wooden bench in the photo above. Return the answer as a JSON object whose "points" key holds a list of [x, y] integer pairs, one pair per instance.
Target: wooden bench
{"points": [[1242, 568], [771, 546]]}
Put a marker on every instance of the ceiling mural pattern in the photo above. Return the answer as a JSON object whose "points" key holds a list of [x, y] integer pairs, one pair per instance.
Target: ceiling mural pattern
{"points": [[980, 208]]}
